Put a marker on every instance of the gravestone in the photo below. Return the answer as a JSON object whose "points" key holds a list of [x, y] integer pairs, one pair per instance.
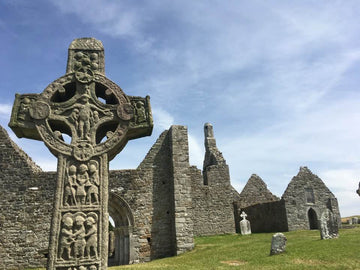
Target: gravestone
{"points": [[355, 220], [245, 227], [328, 225], [278, 244], [99, 118]]}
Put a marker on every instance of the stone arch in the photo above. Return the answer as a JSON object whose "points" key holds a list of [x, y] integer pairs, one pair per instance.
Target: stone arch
{"points": [[313, 220], [123, 218]]}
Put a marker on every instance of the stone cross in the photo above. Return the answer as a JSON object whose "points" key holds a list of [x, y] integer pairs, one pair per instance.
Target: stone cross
{"points": [[245, 227], [85, 120]]}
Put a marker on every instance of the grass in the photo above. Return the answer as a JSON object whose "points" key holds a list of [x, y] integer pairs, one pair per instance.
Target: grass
{"points": [[304, 250]]}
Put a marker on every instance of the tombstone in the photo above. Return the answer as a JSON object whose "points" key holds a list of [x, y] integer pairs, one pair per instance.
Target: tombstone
{"points": [[244, 224], [328, 225], [350, 221], [278, 244], [355, 220], [86, 106]]}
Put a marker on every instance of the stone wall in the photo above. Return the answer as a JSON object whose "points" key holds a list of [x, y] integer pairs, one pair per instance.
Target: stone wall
{"points": [[266, 217], [158, 207], [25, 208], [212, 193], [306, 197], [151, 205], [254, 192]]}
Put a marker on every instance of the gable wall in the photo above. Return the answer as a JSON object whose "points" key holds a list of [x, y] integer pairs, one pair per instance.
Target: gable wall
{"points": [[296, 204]]}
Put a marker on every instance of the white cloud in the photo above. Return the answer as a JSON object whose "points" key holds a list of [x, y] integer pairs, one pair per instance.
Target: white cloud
{"points": [[5, 110], [196, 152], [344, 183], [162, 119], [270, 74]]}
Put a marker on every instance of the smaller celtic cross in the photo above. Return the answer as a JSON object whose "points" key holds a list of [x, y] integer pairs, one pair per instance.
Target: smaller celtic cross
{"points": [[99, 118], [243, 215]]}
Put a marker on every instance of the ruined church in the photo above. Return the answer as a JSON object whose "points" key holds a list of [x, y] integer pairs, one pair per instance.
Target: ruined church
{"points": [[62, 217], [158, 207]]}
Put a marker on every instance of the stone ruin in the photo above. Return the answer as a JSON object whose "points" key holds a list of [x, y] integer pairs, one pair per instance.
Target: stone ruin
{"points": [[157, 208], [300, 207]]}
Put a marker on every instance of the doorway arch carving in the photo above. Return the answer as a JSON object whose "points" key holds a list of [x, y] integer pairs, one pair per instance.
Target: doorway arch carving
{"points": [[123, 219]]}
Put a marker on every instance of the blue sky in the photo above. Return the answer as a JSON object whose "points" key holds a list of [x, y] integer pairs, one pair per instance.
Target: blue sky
{"points": [[279, 80]]}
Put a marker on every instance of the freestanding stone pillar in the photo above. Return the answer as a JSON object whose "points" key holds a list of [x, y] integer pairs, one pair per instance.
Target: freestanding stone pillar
{"points": [[99, 118]]}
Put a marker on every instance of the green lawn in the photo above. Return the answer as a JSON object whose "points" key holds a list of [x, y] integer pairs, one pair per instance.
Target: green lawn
{"points": [[304, 250]]}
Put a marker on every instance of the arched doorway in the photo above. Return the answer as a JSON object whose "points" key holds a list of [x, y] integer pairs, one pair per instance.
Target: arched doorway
{"points": [[121, 214], [313, 220]]}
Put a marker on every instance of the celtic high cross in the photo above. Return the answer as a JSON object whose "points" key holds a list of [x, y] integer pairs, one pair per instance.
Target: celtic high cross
{"points": [[99, 118]]}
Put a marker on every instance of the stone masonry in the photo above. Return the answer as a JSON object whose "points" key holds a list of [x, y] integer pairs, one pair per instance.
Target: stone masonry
{"points": [[149, 224], [306, 198], [300, 207], [157, 208], [254, 192]]}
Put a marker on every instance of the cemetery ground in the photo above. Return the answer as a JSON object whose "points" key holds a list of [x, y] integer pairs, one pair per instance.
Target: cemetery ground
{"points": [[304, 250]]}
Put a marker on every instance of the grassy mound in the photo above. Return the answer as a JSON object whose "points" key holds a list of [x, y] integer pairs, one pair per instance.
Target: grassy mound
{"points": [[304, 250]]}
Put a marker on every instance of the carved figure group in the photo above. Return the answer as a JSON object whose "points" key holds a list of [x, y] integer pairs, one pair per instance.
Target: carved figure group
{"points": [[78, 236], [80, 187]]}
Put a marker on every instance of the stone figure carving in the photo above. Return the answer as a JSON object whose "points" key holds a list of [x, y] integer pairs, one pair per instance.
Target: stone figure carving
{"points": [[245, 227], [82, 180], [91, 234], [79, 234], [70, 185], [91, 267], [67, 237], [92, 195], [328, 225], [100, 119], [140, 112]]}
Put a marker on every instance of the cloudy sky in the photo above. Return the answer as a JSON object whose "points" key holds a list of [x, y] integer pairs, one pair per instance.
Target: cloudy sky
{"points": [[279, 80]]}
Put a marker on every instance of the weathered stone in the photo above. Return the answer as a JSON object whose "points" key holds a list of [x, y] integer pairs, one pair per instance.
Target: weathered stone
{"points": [[355, 220], [245, 225], [254, 192], [306, 197], [328, 225], [100, 119], [278, 244]]}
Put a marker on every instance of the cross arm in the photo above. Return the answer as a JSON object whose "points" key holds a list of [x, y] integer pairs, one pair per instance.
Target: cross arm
{"points": [[21, 121], [142, 123]]}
